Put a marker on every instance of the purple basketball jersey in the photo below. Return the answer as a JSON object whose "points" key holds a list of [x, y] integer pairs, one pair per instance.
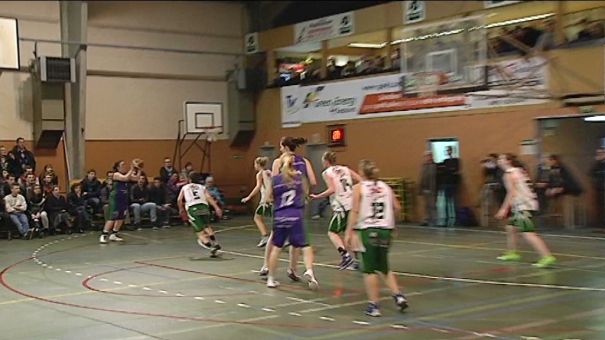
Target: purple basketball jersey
{"points": [[300, 165], [289, 197]]}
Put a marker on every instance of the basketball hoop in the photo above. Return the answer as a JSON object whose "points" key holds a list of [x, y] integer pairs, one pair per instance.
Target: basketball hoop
{"points": [[211, 134], [427, 83]]}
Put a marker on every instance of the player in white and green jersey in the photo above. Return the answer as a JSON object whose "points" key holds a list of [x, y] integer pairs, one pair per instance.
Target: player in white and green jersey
{"points": [[340, 180], [194, 199], [519, 206], [265, 207], [373, 217]]}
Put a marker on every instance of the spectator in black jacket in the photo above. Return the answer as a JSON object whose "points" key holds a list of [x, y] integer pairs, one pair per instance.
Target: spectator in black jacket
{"points": [[10, 180], [561, 180], [451, 182], [77, 207], [7, 161], [597, 174], [139, 202], [167, 170], [36, 201], [49, 171], [23, 157], [58, 210], [91, 191], [158, 194], [105, 191]]}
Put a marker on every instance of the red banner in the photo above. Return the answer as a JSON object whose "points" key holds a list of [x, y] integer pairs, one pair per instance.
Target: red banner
{"points": [[394, 101]]}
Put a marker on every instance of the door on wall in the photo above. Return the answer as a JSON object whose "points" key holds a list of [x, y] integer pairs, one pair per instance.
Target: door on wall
{"points": [[314, 153]]}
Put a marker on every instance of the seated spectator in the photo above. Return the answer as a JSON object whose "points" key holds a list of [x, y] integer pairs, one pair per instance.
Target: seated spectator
{"points": [[49, 171], [334, 70], [77, 207], [36, 209], [16, 208], [159, 195], [105, 191], [58, 211], [173, 189], [7, 161], [139, 202], [23, 157], [590, 32], [91, 191], [47, 185], [29, 184], [349, 69], [186, 172], [546, 41], [28, 172], [215, 192], [7, 189], [167, 170], [396, 59]]}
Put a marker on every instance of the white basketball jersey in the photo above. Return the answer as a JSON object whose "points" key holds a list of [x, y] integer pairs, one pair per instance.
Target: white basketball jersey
{"points": [[524, 199], [266, 186], [194, 194], [342, 198], [376, 209]]}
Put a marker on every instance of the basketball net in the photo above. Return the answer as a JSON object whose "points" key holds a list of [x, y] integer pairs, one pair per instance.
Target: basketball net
{"points": [[211, 134]]}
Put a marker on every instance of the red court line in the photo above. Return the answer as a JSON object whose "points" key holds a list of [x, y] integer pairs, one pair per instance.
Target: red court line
{"points": [[87, 285], [173, 317], [292, 287]]}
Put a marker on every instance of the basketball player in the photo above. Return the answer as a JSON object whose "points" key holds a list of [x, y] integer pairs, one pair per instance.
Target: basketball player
{"points": [[118, 200], [373, 216], [519, 205], [340, 180], [288, 145], [288, 190], [194, 199], [265, 208]]}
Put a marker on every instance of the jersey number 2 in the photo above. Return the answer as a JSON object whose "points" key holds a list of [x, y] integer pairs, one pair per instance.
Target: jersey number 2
{"points": [[287, 199]]}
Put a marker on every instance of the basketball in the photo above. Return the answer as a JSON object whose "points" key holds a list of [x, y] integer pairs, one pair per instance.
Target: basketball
{"points": [[138, 163]]}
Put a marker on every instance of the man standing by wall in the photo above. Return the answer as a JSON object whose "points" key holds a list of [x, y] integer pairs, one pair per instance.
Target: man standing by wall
{"points": [[597, 173], [428, 189], [451, 185], [23, 157]]}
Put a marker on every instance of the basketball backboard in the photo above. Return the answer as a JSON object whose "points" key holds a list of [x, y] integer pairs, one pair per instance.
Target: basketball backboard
{"points": [[203, 117], [9, 44]]}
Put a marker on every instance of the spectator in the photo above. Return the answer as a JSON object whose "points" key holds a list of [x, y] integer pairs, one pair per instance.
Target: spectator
{"points": [[590, 32], [9, 184], [428, 189], [29, 184], [139, 202], [159, 196], [186, 172], [451, 185], [49, 171], [47, 184], [7, 161], [58, 211], [36, 201], [173, 188], [215, 192], [396, 59], [28, 171], [105, 191], [597, 174], [167, 170], [349, 69], [561, 181], [16, 208], [77, 208], [23, 157], [334, 71], [91, 191]]}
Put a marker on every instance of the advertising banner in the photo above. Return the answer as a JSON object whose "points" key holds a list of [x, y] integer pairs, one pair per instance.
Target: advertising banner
{"points": [[331, 27]]}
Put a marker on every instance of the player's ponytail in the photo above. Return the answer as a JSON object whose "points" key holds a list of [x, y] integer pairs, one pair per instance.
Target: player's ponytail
{"points": [[330, 157], [292, 143], [261, 162], [369, 169], [287, 168]]}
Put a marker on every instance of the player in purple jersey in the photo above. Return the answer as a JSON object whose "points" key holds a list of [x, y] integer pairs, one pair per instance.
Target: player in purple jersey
{"points": [[289, 197], [118, 200], [288, 146]]}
